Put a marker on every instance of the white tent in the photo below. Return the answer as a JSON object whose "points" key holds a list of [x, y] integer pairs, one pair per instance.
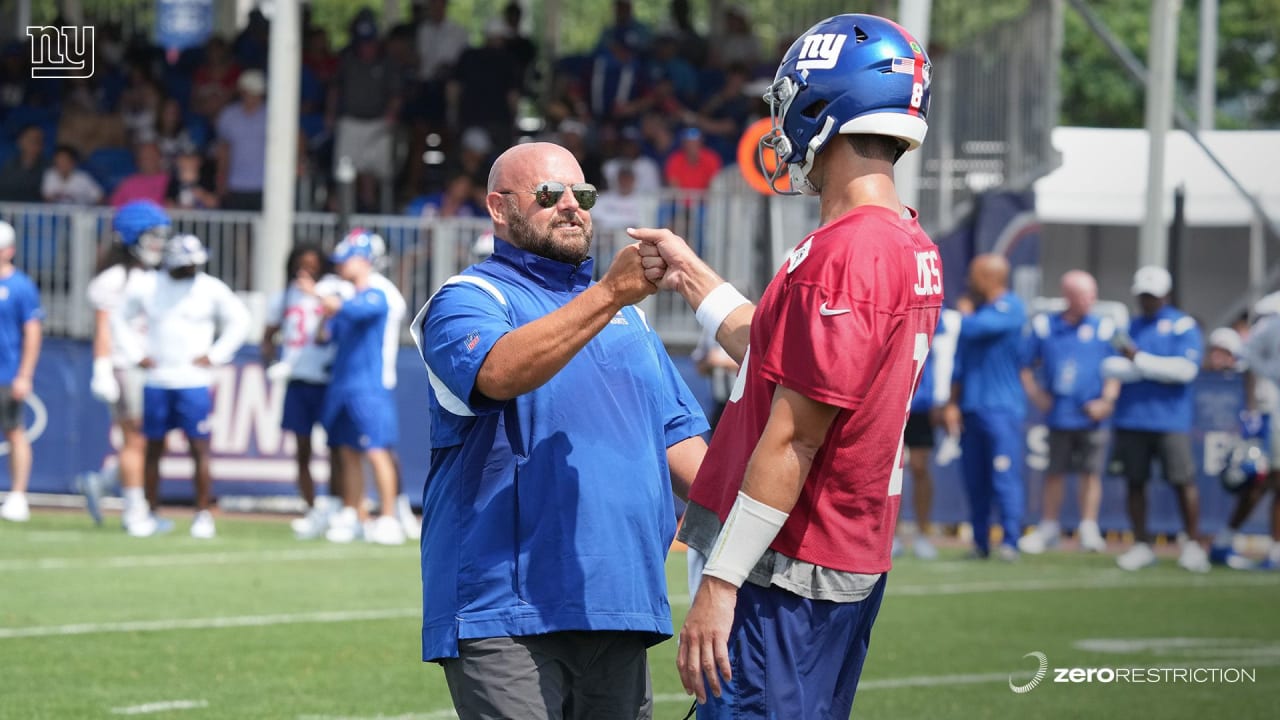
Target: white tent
{"points": [[1102, 177], [1092, 207]]}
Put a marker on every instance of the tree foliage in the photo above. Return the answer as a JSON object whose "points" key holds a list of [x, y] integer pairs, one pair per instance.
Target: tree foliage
{"points": [[1096, 91]]}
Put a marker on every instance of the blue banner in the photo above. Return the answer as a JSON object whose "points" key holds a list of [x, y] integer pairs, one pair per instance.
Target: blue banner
{"points": [[183, 24], [1000, 222], [70, 433]]}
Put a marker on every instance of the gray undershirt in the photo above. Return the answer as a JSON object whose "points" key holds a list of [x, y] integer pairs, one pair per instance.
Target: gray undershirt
{"points": [[701, 527]]}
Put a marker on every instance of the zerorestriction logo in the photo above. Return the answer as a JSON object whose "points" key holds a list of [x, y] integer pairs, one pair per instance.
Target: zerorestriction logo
{"points": [[61, 52], [1041, 671], [1216, 670]]}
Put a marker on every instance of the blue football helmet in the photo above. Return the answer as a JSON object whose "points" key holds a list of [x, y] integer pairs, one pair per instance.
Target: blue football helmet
{"points": [[1248, 461], [143, 227], [849, 74]]}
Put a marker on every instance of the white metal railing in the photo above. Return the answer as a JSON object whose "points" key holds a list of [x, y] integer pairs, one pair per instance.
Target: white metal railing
{"points": [[60, 247]]}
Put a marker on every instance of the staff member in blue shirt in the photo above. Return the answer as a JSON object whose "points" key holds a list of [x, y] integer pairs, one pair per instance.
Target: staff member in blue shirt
{"points": [[20, 335], [1161, 358], [988, 403], [559, 428], [1063, 377]]}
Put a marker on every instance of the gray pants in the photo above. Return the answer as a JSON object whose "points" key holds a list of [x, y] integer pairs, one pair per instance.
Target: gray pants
{"points": [[558, 676]]}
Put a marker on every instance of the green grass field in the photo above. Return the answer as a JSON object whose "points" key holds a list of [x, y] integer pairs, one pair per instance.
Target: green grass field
{"points": [[254, 624]]}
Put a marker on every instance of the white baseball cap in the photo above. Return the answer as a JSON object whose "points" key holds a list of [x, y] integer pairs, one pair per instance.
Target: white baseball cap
{"points": [[253, 82], [1226, 339], [7, 235], [1152, 280]]}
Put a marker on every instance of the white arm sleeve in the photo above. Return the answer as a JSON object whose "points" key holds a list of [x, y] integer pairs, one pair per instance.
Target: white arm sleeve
{"points": [[1120, 368], [1164, 369], [235, 326]]}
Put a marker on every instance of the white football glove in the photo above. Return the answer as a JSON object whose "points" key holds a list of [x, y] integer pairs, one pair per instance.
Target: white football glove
{"points": [[104, 386], [279, 371]]}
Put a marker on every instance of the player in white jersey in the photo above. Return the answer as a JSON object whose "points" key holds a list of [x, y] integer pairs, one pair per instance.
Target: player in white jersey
{"points": [[293, 320], [140, 231], [194, 322], [396, 308], [1261, 420]]}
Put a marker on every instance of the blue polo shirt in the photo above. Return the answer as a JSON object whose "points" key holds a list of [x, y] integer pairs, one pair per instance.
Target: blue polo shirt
{"points": [[19, 304], [1155, 406], [988, 358], [551, 511], [1068, 359]]}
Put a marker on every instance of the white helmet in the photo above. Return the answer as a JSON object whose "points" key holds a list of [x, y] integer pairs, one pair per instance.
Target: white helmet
{"points": [[7, 236]]}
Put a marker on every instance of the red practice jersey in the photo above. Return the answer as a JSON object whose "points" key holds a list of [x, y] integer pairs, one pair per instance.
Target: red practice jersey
{"points": [[847, 322]]}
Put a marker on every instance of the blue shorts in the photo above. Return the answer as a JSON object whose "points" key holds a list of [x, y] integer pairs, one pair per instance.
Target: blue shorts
{"points": [[793, 657], [364, 422], [165, 409], [303, 407]]}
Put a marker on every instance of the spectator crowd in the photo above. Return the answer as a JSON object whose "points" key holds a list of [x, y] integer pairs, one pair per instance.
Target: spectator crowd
{"points": [[418, 108]]}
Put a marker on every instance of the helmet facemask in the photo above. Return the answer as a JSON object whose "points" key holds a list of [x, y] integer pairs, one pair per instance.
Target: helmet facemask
{"points": [[150, 246]]}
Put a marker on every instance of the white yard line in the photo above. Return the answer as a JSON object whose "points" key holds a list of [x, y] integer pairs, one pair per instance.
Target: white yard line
{"points": [[433, 715], [238, 621], [1119, 582], [161, 706], [219, 558]]}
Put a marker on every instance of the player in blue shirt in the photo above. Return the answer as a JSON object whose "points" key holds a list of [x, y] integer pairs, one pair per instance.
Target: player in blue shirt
{"points": [[1161, 358], [559, 427], [359, 413], [988, 403], [932, 395], [20, 335], [1063, 377]]}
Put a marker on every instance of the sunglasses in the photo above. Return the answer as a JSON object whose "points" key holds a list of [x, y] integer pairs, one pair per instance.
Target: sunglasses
{"points": [[549, 192]]}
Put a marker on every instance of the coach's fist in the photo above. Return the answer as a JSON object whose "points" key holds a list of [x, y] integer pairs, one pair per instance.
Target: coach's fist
{"points": [[625, 280]]}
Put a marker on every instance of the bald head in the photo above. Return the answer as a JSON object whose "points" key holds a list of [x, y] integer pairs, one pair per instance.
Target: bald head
{"points": [[523, 166], [989, 276], [1080, 291], [562, 231]]}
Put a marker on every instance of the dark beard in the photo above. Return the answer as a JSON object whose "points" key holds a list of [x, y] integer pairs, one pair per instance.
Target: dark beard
{"points": [[526, 237]]}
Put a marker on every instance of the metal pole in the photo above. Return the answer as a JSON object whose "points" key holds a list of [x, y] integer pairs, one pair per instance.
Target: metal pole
{"points": [[1152, 243], [23, 19], [271, 248], [914, 16], [1177, 240], [1207, 75], [1257, 259]]}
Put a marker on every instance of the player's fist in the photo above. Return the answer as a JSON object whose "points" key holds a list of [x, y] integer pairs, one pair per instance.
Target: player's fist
{"points": [[674, 256], [625, 279]]}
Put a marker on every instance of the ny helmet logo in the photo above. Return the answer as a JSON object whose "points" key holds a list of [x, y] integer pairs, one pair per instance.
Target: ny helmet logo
{"points": [[820, 51], [65, 52]]}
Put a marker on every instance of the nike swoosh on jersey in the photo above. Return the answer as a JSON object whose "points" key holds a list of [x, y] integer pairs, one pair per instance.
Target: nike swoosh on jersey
{"points": [[824, 310]]}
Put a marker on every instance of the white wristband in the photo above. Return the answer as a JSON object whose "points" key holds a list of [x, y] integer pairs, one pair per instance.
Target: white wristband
{"points": [[747, 534], [717, 305], [103, 365]]}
